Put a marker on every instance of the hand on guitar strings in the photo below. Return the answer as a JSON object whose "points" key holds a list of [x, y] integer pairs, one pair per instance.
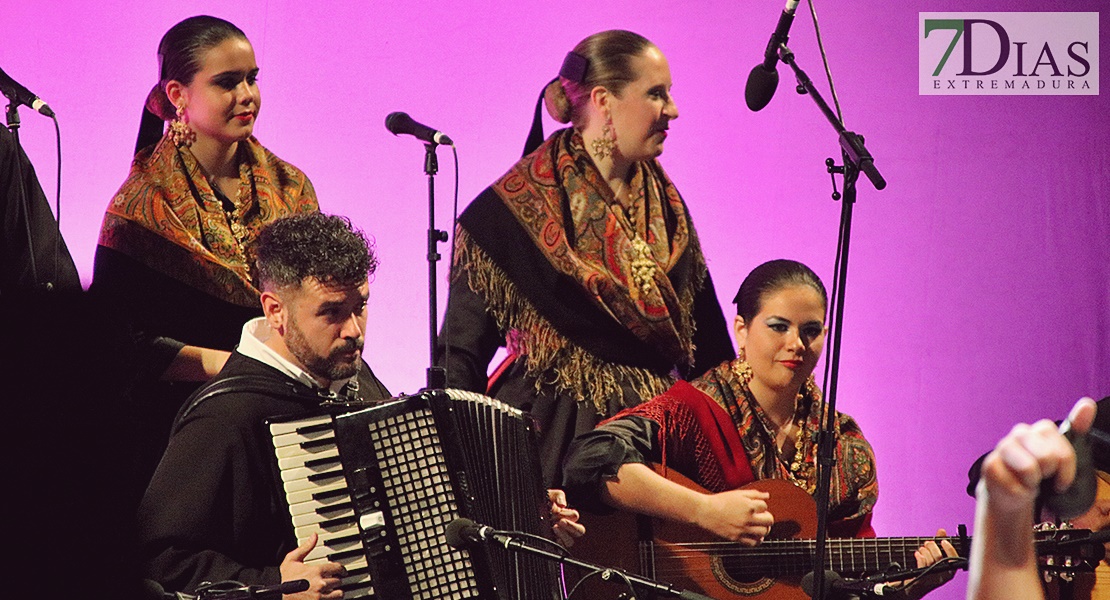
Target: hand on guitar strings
{"points": [[738, 515], [564, 519], [930, 553]]}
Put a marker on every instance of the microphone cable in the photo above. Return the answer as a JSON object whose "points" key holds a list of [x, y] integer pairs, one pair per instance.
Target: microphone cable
{"points": [[825, 59], [57, 200], [450, 271]]}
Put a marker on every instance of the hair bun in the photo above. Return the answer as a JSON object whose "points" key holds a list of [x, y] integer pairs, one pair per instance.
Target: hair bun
{"points": [[556, 101], [158, 103]]}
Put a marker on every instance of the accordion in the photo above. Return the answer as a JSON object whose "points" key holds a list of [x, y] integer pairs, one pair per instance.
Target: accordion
{"points": [[379, 485]]}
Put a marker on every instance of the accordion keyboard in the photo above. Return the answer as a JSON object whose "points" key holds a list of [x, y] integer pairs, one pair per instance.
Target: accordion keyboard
{"points": [[379, 486], [318, 497]]}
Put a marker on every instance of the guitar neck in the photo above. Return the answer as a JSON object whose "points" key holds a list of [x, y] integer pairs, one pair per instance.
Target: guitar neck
{"points": [[846, 556], [779, 558]]}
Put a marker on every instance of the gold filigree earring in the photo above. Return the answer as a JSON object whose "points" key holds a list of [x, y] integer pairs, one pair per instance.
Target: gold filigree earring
{"points": [[603, 146], [182, 136], [741, 369]]}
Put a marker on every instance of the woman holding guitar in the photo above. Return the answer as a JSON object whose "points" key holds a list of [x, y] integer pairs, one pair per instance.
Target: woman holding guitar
{"points": [[754, 418]]}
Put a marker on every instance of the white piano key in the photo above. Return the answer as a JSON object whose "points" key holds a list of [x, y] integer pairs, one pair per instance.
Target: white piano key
{"points": [[310, 518], [296, 449], [308, 506], [305, 485], [306, 472], [296, 439], [334, 531], [298, 460], [277, 429], [352, 580], [324, 550], [306, 495]]}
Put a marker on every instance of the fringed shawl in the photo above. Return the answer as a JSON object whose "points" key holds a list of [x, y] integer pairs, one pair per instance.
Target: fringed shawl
{"points": [[550, 251]]}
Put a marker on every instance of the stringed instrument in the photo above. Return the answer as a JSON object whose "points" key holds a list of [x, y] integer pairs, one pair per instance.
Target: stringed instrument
{"points": [[1085, 585], [692, 559]]}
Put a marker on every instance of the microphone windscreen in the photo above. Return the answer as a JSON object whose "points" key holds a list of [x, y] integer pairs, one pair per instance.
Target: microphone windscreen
{"points": [[398, 123], [457, 532], [760, 87], [831, 577], [293, 586]]}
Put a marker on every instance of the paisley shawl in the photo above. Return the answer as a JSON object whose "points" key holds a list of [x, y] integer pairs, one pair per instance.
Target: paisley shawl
{"points": [[854, 487], [167, 217], [581, 252]]}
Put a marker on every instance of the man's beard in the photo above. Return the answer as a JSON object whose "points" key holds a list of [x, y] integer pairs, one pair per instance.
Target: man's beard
{"points": [[328, 367]]}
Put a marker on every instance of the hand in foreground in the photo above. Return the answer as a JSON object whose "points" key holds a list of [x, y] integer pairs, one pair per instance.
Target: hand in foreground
{"points": [[1003, 560], [737, 515], [323, 578], [1012, 472], [565, 520]]}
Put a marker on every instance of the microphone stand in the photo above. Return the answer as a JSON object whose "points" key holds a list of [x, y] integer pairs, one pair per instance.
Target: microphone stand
{"points": [[436, 376], [856, 159], [511, 540]]}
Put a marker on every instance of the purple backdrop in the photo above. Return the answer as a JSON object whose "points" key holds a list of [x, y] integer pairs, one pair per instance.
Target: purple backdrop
{"points": [[979, 281]]}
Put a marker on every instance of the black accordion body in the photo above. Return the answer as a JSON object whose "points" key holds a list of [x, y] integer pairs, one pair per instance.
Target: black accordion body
{"points": [[379, 485]]}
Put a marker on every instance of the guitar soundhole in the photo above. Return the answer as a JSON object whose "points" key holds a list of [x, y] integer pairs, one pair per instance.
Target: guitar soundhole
{"points": [[736, 572], [729, 573]]}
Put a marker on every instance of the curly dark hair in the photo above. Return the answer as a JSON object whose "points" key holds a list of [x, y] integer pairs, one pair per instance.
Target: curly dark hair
{"points": [[325, 247], [772, 276]]}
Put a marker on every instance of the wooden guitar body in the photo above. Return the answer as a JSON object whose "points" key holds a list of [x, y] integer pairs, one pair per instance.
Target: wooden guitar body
{"points": [[691, 559]]}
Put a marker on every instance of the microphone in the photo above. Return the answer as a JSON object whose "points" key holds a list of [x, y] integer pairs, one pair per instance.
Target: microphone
{"points": [[764, 78], [1080, 495], [835, 583], [399, 122], [21, 95], [463, 532]]}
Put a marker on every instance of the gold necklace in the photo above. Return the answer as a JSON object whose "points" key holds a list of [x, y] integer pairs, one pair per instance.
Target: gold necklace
{"points": [[643, 263]]}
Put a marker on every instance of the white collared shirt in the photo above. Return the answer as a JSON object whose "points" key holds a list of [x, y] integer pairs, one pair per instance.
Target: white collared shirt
{"points": [[252, 343]]}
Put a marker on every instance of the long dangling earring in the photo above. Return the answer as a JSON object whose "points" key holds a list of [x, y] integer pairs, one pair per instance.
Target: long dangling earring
{"points": [[741, 368], [603, 146], [182, 136]]}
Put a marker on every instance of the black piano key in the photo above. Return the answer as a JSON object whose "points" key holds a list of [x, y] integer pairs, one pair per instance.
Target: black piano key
{"points": [[338, 556], [318, 477], [313, 444], [323, 462], [315, 428], [346, 539], [335, 508], [330, 494], [337, 522]]}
